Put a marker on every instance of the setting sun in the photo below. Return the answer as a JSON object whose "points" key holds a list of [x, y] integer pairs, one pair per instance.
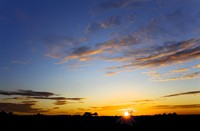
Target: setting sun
{"points": [[126, 113]]}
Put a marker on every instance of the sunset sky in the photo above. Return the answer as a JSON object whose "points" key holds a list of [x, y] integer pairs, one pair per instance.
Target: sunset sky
{"points": [[104, 56]]}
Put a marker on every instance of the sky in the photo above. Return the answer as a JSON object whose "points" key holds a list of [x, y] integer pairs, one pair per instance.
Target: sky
{"points": [[104, 56]]}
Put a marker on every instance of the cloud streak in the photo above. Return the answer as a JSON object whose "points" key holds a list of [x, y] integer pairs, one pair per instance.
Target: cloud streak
{"points": [[26, 93], [177, 106], [113, 107], [145, 100], [183, 93], [31, 95], [19, 62]]}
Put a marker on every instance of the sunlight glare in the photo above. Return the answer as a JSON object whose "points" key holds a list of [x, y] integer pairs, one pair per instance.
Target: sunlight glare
{"points": [[126, 113]]}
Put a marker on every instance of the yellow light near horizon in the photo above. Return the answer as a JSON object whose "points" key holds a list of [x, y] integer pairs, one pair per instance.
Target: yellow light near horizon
{"points": [[126, 113]]}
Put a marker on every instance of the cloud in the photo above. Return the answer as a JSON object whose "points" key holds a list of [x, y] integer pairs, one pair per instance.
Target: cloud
{"points": [[171, 53], [92, 27], [161, 55], [29, 95], [19, 62], [25, 107], [58, 98], [82, 53], [17, 98], [180, 70], [184, 77], [59, 45], [177, 106], [109, 22], [110, 73], [152, 74], [197, 66], [126, 49], [183, 93], [59, 102], [145, 100], [153, 41], [26, 93]]}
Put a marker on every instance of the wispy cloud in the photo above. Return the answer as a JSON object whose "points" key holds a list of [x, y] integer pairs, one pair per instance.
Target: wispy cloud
{"points": [[83, 53], [110, 73], [177, 106], [152, 74], [58, 45], [161, 56], [180, 70], [125, 49], [184, 77], [19, 62], [183, 93], [109, 22], [157, 42], [92, 27]]}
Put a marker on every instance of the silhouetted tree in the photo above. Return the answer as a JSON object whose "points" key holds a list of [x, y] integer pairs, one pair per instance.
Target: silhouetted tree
{"points": [[87, 114], [174, 114], [95, 114]]}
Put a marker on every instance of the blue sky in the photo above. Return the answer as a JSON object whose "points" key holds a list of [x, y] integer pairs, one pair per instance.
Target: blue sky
{"points": [[99, 54]]}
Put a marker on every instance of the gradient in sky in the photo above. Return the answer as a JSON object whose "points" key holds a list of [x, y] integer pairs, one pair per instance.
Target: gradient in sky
{"points": [[105, 56]]}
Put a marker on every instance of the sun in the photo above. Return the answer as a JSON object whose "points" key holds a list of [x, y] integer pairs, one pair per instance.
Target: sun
{"points": [[126, 113]]}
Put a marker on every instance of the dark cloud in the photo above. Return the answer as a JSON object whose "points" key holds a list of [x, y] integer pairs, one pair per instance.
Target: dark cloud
{"points": [[80, 50], [26, 93], [29, 97], [25, 107], [29, 102], [177, 106], [17, 98], [60, 102], [58, 98], [183, 93]]}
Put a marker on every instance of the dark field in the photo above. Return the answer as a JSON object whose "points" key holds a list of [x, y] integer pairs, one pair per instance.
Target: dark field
{"points": [[43, 122]]}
